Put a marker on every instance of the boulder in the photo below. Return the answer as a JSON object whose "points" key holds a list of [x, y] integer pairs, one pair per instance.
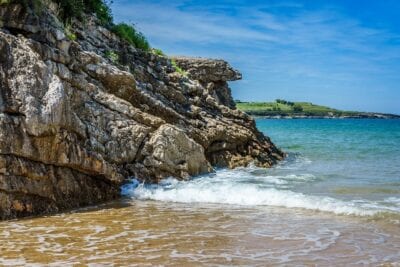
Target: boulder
{"points": [[172, 153]]}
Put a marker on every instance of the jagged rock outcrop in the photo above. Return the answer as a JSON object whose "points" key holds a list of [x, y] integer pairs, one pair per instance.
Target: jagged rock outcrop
{"points": [[74, 123], [213, 75]]}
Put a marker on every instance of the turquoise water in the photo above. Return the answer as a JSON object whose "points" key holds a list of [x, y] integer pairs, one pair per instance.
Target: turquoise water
{"points": [[340, 166], [352, 159]]}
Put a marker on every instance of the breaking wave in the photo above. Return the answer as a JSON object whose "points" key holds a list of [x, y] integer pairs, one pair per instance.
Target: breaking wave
{"points": [[254, 187]]}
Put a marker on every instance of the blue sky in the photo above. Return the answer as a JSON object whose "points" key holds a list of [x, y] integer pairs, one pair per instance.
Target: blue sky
{"points": [[344, 54]]}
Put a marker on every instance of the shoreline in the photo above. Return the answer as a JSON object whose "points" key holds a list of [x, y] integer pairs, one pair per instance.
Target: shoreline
{"points": [[280, 117], [243, 227]]}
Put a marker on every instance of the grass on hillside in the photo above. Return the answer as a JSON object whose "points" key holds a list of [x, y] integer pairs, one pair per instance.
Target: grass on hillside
{"points": [[289, 108]]}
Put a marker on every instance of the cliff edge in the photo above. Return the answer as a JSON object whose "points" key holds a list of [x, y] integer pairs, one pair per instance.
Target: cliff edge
{"points": [[75, 122]]}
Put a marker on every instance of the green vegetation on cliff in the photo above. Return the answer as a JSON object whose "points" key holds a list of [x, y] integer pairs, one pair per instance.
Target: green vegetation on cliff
{"points": [[131, 35], [75, 9], [298, 109], [69, 9], [177, 68]]}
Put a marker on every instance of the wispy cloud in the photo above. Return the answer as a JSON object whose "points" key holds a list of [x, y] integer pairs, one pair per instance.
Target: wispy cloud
{"points": [[168, 23]]}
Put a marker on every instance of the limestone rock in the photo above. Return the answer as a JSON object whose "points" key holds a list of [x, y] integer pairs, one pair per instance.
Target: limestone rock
{"points": [[208, 70], [173, 153], [213, 75], [74, 125]]}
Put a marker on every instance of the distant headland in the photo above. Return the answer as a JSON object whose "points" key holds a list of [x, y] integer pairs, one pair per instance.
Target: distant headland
{"points": [[282, 109]]}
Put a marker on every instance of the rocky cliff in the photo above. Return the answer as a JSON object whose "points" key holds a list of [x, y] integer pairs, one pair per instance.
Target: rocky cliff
{"points": [[75, 122]]}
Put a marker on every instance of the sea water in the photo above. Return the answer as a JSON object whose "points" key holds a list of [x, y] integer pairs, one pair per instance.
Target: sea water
{"points": [[334, 200], [343, 166]]}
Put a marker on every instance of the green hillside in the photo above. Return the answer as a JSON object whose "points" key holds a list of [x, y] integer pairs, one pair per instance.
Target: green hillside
{"points": [[286, 108]]}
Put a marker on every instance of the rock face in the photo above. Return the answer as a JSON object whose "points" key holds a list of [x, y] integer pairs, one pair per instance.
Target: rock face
{"points": [[213, 75], [75, 124]]}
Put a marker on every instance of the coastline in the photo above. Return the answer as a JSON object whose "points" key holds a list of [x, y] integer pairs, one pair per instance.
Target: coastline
{"points": [[282, 109], [288, 117]]}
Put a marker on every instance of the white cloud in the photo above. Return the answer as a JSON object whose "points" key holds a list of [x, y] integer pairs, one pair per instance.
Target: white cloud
{"points": [[170, 24]]}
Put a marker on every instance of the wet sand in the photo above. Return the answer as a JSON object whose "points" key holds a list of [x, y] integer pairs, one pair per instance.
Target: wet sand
{"points": [[131, 232]]}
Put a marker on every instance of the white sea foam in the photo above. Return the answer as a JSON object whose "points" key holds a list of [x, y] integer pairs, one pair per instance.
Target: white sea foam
{"points": [[394, 201], [240, 187]]}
